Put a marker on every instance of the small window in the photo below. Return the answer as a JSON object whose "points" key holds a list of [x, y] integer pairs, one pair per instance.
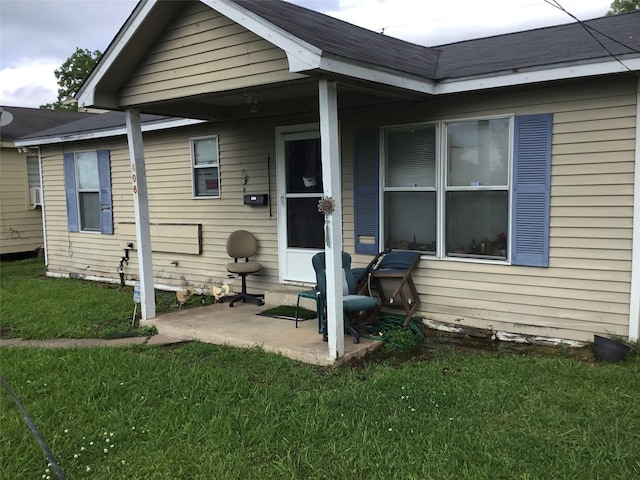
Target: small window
{"points": [[205, 167], [87, 179], [88, 191]]}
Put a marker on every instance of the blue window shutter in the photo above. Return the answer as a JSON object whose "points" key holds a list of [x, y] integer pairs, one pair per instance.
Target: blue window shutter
{"points": [[71, 192], [366, 190], [531, 190], [106, 210]]}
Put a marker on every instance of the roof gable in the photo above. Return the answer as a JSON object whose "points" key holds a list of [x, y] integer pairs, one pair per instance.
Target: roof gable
{"points": [[342, 39], [316, 43]]}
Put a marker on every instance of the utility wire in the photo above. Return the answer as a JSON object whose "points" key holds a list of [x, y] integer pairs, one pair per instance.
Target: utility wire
{"points": [[589, 29], [36, 433]]}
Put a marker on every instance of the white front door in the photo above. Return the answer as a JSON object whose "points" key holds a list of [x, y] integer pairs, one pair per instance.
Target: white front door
{"points": [[300, 225]]}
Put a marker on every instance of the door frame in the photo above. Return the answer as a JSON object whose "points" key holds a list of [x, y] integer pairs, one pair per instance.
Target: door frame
{"points": [[284, 133]]}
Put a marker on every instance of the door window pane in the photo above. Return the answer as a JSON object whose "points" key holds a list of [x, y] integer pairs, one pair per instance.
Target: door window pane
{"points": [[303, 166], [477, 223], [478, 153], [305, 225], [410, 220]]}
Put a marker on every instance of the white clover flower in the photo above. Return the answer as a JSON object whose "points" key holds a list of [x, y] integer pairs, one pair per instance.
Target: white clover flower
{"points": [[107, 440], [123, 462], [75, 455], [82, 449], [90, 443], [66, 430], [88, 468], [111, 434], [106, 450], [390, 429]]}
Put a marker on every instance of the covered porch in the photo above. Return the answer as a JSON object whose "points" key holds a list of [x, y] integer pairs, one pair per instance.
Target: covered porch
{"points": [[243, 327]]}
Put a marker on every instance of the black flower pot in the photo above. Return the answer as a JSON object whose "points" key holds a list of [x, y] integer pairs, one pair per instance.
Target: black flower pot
{"points": [[607, 350]]}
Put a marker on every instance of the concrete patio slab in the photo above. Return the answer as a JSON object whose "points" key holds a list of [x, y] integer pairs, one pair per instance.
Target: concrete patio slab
{"points": [[241, 326]]}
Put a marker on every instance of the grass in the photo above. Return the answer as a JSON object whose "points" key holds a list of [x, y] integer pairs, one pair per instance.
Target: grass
{"points": [[34, 306], [201, 411]]}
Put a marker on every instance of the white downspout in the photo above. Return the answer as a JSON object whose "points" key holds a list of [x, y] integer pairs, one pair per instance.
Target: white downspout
{"points": [[332, 182], [634, 304], [141, 204]]}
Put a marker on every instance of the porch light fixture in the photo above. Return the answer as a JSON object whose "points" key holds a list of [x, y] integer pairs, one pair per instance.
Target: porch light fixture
{"points": [[251, 98]]}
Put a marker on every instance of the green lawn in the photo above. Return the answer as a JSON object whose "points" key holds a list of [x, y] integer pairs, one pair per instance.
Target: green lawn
{"points": [[34, 306], [197, 411]]}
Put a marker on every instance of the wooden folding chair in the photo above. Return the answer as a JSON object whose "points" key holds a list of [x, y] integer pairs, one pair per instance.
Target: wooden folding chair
{"points": [[392, 279]]}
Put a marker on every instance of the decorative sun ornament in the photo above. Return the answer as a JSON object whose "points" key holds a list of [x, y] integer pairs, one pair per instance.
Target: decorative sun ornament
{"points": [[326, 205]]}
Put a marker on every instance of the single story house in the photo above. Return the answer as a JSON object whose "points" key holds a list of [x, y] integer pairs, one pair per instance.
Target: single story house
{"points": [[20, 206], [510, 162]]}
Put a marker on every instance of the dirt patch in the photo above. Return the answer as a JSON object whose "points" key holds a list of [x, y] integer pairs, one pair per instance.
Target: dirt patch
{"points": [[436, 343]]}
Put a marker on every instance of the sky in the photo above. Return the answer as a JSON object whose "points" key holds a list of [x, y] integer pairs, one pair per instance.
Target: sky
{"points": [[37, 36]]}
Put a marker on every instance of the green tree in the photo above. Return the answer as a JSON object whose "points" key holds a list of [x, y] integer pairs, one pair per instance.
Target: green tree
{"points": [[623, 6], [70, 76]]}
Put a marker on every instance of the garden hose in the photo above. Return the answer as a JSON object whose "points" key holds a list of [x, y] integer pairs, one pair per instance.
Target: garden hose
{"points": [[390, 327], [34, 430]]}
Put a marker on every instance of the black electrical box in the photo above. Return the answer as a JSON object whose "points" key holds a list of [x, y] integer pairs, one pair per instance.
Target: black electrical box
{"points": [[256, 199]]}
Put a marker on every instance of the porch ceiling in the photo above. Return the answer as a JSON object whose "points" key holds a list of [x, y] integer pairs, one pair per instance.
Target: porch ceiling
{"points": [[296, 96]]}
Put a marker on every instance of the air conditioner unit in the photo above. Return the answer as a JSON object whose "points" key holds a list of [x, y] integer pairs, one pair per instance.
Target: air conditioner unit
{"points": [[34, 197]]}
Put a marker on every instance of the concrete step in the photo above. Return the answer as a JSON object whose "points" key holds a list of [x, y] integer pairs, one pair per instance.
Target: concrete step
{"points": [[288, 295]]}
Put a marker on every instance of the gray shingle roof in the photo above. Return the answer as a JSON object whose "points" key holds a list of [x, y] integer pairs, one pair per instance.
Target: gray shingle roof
{"points": [[540, 47], [343, 39], [29, 120], [532, 48], [94, 123]]}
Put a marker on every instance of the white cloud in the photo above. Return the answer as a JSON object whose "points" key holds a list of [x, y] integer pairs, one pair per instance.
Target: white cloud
{"points": [[434, 22], [29, 85]]}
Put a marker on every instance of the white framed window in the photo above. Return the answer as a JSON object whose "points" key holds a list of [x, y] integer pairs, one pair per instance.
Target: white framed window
{"points": [[205, 167], [476, 187], [87, 178], [446, 187], [88, 190]]}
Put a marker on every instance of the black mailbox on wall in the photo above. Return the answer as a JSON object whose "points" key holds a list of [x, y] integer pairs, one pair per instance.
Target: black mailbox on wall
{"points": [[256, 199]]}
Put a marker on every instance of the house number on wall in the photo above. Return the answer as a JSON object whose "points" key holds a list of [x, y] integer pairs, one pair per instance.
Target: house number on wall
{"points": [[134, 179]]}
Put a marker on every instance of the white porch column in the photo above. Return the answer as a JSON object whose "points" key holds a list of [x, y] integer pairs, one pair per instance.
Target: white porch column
{"points": [[141, 204], [331, 179], [634, 306]]}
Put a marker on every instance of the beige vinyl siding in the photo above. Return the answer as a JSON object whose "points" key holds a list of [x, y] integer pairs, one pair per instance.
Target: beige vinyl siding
{"points": [[585, 289], [204, 52], [20, 224], [168, 163], [587, 285]]}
